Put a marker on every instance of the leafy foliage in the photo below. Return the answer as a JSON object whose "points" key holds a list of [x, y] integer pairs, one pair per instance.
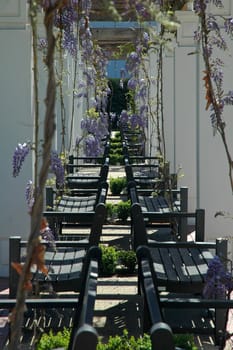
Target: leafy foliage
{"points": [[128, 259], [117, 184], [123, 210], [185, 341], [109, 260], [51, 340], [117, 342]]}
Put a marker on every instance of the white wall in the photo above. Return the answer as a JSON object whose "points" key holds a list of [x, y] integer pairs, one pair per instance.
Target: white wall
{"points": [[201, 155], [15, 121]]}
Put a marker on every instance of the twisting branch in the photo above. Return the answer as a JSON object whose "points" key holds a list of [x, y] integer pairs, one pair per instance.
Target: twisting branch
{"points": [[213, 99], [37, 210]]}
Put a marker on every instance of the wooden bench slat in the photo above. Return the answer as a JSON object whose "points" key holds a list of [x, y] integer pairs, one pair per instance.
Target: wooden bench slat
{"points": [[179, 267], [166, 262], [198, 256], [190, 265]]}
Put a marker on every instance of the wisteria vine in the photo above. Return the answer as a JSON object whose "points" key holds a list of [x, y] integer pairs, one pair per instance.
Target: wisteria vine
{"points": [[94, 90], [210, 37]]}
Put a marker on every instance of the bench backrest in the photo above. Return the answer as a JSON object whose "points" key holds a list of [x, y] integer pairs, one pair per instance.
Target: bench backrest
{"points": [[139, 231], [160, 332], [75, 163]]}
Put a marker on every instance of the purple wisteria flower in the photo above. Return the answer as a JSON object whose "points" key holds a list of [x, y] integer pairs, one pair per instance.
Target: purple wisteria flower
{"points": [[124, 117], [19, 156], [132, 62], [91, 146], [57, 168], [66, 19], [29, 195], [42, 44], [132, 83], [218, 281]]}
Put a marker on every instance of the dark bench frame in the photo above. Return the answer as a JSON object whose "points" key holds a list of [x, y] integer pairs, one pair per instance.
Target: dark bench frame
{"points": [[93, 215], [74, 162], [83, 334], [86, 181], [139, 230], [155, 304]]}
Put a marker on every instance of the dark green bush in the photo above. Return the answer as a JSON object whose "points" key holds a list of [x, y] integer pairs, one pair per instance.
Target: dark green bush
{"points": [[111, 211], [109, 260], [185, 341], [116, 151], [118, 342], [115, 159], [128, 259], [51, 340], [123, 210], [117, 184], [126, 342]]}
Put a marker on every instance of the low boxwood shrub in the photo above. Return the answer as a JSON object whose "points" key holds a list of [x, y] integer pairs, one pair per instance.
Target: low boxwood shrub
{"points": [[51, 340], [115, 159], [119, 342], [109, 260], [120, 210], [111, 212], [128, 259], [117, 184], [114, 259], [123, 210], [126, 342]]}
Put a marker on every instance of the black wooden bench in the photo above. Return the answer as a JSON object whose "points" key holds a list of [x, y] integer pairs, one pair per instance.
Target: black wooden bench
{"points": [[180, 232], [213, 313], [75, 311], [158, 210], [132, 140], [175, 200], [64, 263], [83, 209], [144, 175], [84, 178]]}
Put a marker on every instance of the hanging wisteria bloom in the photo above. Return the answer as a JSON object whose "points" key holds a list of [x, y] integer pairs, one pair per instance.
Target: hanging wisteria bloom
{"points": [[66, 19], [124, 117], [57, 168], [218, 282], [92, 147], [19, 156]]}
